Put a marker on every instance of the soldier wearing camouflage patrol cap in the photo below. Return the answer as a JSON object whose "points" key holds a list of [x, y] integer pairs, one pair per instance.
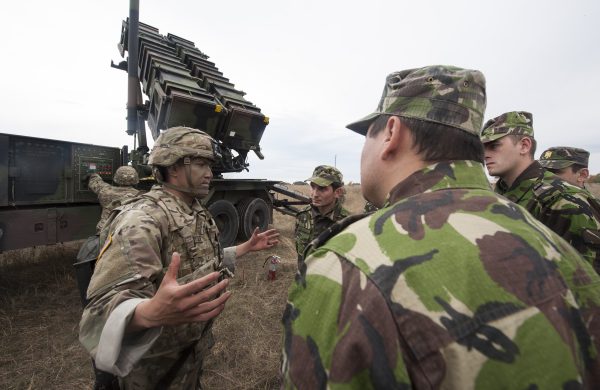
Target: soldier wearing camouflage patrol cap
{"points": [[110, 196], [447, 285], [157, 283], [326, 194], [568, 163], [572, 212]]}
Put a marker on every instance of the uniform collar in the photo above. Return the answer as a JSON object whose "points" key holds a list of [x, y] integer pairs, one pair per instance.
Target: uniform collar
{"points": [[533, 171], [171, 199], [438, 176], [335, 211]]}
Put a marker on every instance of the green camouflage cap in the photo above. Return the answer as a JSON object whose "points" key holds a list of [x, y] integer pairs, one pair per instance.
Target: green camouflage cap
{"points": [[179, 142], [514, 122], [560, 157], [441, 94], [325, 175]]}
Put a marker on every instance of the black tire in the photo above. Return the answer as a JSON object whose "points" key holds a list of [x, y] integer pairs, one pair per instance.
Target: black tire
{"points": [[253, 212], [227, 219]]}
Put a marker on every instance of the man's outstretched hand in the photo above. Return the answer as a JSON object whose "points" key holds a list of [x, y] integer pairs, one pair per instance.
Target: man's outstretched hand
{"points": [[258, 241], [175, 304]]}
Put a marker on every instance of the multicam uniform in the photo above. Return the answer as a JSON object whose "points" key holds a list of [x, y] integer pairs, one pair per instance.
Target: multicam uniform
{"points": [[310, 223], [107, 195], [417, 296], [136, 254], [572, 212]]}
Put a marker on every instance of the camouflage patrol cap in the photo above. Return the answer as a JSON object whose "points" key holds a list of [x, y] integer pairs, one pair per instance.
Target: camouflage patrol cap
{"points": [[560, 157], [126, 176], [441, 94], [179, 142], [325, 175], [514, 122]]}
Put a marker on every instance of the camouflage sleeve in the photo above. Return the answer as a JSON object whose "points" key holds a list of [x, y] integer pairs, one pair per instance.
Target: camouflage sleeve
{"points": [[128, 270], [577, 219], [349, 339], [302, 232], [96, 184]]}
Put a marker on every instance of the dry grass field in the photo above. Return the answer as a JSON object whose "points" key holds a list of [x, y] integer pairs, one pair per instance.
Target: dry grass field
{"points": [[40, 311]]}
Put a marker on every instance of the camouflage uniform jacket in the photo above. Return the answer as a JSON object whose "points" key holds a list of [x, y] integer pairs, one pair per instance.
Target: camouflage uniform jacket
{"points": [[447, 286], [109, 196], [310, 223], [138, 243], [572, 212]]}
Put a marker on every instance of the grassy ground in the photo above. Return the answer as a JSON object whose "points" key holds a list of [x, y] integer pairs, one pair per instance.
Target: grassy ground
{"points": [[40, 311]]}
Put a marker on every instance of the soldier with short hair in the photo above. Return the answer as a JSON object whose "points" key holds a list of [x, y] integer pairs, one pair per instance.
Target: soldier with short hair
{"points": [[568, 163], [158, 281], [326, 194], [110, 196], [572, 212], [447, 285]]}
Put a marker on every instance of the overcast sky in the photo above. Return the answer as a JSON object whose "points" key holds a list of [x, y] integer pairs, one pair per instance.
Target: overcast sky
{"points": [[311, 66]]}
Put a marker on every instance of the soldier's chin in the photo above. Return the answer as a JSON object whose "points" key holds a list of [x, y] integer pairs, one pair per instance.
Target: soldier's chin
{"points": [[200, 193]]}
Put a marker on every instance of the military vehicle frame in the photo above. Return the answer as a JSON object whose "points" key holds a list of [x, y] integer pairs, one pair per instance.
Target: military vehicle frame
{"points": [[44, 198]]}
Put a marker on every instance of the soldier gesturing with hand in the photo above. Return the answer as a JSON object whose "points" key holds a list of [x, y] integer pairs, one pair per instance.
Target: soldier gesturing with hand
{"points": [[175, 304], [155, 290]]}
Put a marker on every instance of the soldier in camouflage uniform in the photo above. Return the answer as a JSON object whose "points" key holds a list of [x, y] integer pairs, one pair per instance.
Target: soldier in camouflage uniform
{"points": [[447, 285], [568, 163], [572, 212], [155, 289], [111, 196], [326, 194]]}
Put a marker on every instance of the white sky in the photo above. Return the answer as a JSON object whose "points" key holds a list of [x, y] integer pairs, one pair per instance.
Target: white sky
{"points": [[311, 66]]}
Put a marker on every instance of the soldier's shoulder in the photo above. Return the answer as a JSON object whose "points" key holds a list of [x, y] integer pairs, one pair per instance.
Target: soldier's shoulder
{"points": [[303, 213], [343, 213], [342, 235], [550, 188], [138, 210], [555, 190], [129, 191]]}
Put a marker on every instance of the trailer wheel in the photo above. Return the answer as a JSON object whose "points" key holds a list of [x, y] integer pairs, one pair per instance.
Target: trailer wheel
{"points": [[227, 219], [253, 212]]}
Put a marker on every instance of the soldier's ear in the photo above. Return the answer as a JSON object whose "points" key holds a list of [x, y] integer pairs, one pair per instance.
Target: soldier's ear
{"points": [[583, 174], [397, 139], [339, 192], [526, 144]]}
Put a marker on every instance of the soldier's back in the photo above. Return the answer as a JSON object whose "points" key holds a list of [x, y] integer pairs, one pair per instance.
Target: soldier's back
{"points": [[478, 294]]}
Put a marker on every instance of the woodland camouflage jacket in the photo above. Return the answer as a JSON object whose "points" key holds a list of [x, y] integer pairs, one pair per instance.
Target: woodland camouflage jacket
{"points": [[310, 223], [454, 287], [572, 212]]}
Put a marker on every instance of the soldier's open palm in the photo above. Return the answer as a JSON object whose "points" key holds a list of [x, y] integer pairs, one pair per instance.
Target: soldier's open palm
{"points": [[175, 304]]}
